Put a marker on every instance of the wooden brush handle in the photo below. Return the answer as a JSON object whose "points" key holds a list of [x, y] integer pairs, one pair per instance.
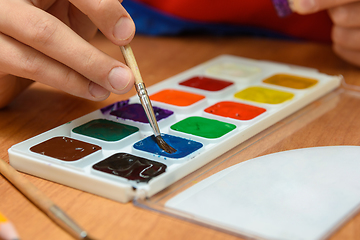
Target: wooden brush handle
{"points": [[42, 201], [26, 187], [131, 62]]}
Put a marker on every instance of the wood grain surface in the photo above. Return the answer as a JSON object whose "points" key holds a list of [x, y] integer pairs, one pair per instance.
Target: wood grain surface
{"points": [[41, 108]]}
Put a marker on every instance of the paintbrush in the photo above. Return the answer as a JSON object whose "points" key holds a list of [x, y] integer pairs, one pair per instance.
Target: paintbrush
{"points": [[144, 98], [42, 201]]}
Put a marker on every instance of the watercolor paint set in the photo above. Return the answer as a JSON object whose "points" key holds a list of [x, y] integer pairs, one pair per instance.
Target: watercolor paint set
{"points": [[203, 113]]}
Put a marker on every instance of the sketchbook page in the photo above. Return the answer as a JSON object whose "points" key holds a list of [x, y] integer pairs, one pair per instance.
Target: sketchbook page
{"points": [[297, 194]]}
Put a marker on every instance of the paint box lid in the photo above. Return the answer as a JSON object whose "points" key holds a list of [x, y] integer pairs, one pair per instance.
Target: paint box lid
{"points": [[310, 191]]}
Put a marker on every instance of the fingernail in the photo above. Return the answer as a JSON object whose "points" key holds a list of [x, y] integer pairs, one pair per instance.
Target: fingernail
{"points": [[305, 6], [124, 28], [97, 91], [119, 78]]}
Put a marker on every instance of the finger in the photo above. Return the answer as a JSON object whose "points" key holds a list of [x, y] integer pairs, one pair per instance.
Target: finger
{"points": [[24, 61], [10, 87], [50, 36], [312, 6], [74, 18], [346, 15], [69, 15], [42, 4], [349, 55], [346, 37], [110, 17], [81, 23]]}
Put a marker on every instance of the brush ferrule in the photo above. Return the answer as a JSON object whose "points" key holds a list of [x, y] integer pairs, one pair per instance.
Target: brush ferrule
{"points": [[67, 223], [141, 89], [149, 111]]}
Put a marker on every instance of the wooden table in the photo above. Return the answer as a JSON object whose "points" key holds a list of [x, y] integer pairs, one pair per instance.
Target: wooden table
{"points": [[42, 108]]}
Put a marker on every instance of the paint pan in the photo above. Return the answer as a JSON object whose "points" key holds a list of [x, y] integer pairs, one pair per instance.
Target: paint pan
{"points": [[291, 81], [235, 110], [180, 101], [106, 133], [207, 84], [203, 127], [264, 95], [65, 149], [184, 147], [209, 87], [235, 70], [130, 167], [136, 113], [132, 113]]}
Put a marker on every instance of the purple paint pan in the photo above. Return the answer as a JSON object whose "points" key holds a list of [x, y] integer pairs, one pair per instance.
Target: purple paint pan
{"points": [[114, 107], [135, 112]]}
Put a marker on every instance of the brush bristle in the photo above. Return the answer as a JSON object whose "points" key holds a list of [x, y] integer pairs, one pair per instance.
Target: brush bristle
{"points": [[163, 145]]}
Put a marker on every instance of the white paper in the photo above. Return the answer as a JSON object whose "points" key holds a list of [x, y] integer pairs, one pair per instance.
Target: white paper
{"points": [[297, 194]]}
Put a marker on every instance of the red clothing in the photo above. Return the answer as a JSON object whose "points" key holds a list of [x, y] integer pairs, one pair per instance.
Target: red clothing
{"points": [[256, 13]]}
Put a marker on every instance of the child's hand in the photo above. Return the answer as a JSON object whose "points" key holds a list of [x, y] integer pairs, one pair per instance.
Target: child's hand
{"points": [[46, 41], [345, 15]]}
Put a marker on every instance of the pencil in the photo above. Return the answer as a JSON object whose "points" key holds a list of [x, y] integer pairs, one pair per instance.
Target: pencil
{"points": [[7, 230], [144, 98], [42, 201]]}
